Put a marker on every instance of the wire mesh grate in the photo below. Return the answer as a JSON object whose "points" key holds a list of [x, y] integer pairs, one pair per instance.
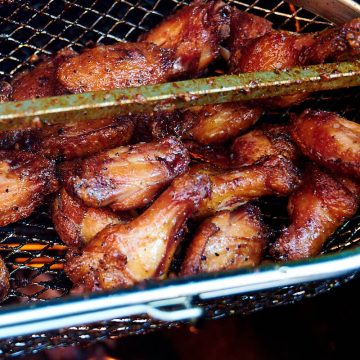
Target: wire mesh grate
{"points": [[31, 248]]}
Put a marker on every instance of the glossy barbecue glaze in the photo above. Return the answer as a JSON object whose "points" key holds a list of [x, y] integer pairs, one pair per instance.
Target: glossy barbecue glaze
{"points": [[330, 140]]}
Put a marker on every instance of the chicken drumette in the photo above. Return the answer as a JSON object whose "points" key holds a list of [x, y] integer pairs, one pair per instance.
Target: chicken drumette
{"points": [[274, 176], [124, 254]]}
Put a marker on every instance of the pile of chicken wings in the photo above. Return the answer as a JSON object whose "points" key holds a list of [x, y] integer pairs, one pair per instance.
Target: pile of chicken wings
{"points": [[122, 190]]}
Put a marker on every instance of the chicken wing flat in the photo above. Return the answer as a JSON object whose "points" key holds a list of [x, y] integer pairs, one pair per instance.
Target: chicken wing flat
{"points": [[275, 176], [227, 241], [80, 139], [194, 34], [262, 143], [25, 179], [126, 177], [316, 209], [41, 81], [329, 140], [4, 279], [116, 66], [76, 223], [337, 44], [76, 139], [214, 124], [124, 254]]}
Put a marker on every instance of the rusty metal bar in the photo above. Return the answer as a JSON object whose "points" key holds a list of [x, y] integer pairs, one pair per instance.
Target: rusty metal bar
{"points": [[243, 87]]}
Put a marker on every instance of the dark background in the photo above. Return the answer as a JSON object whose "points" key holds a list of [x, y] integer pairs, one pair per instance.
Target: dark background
{"points": [[324, 327]]}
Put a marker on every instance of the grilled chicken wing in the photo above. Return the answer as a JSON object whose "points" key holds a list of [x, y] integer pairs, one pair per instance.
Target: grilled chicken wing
{"points": [[194, 34], [243, 28], [116, 66], [76, 139], [4, 279], [122, 255], [25, 179], [275, 176], [214, 124], [337, 44], [277, 50], [227, 241], [80, 139], [77, 223], [41, 81], [317, 209], [262, 143], [329, 140], [126, 177]]}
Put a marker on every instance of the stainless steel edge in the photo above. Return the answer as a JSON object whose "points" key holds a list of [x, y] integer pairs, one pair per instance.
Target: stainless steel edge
{"points": [[337, 11], [72, 311]]}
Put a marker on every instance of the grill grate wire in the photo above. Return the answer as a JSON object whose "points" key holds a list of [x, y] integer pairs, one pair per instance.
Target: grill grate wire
{"points": [[31, 248]]}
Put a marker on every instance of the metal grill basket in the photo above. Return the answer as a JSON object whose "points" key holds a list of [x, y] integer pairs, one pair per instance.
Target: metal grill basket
{"points": [[31, 248]]}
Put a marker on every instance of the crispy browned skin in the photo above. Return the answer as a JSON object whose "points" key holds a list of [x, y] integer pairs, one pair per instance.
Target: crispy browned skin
{"points": [[4, 279], [127, 177], [214, 124], [115, 66], [122, 255], [80, 139], [337, 44], [275, 50], [194, 34], [262, 143], [25, 179], [244, 27], [68, 141], [275, 176], [230, 240], [316, 209], [77, 223], [41, 81], [329, 140]]}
